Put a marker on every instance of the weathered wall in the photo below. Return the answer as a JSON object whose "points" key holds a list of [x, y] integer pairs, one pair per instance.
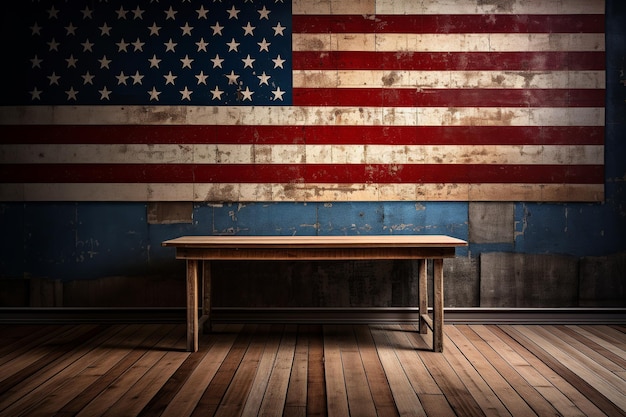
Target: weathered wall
{"points": [[520, 254]]}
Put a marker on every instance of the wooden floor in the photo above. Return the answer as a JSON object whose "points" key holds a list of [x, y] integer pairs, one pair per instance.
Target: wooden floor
{"points": [[312, 370]]}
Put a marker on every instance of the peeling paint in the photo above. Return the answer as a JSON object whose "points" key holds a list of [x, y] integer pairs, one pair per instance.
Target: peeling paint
{"points": [[499, 5], [524, 222]]}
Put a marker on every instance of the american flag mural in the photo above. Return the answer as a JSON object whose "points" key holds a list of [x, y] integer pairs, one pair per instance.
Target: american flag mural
{"points": [[310, 100]]}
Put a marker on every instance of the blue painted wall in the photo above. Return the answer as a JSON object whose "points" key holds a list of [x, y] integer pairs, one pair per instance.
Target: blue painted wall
{"points": [[88, 240]]}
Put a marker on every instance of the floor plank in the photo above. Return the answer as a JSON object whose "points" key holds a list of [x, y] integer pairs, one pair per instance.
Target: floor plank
{"points": [[542, 350], [316, 405], [212, 354], [576, 397], [405, 397], [312, 370], [528, 396], [295, 402], [461, 357], [259, 383], [376, 378], [336, 395], [276, 392]]}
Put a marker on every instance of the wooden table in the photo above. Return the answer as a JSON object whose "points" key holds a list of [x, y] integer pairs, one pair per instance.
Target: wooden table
{"points": [[197, 249]]}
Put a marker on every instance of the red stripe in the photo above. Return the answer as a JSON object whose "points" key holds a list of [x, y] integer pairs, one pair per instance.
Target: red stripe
{"points": [[449, 61], [456, 135], [491, 23], [332, 173], [391, 135], [432, 97]]}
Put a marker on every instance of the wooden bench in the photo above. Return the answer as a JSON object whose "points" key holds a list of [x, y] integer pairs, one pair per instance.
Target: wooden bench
{"points": [[197, 249]]}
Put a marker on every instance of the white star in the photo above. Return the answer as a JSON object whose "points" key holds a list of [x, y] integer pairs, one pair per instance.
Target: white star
{"points": [[202, 45], [247, 94], [247, 61], [154, 61], [264, 45], [169, 46], [233, 45], [87, 46], [87, 78], [186, 61], [121, 79], [263, 78], [87, 13], [217, 93], [217, 61], [53, 13], [71, 29], [278, 29], [248, 29], [217, 29], [232, 13], [137, 78], [154, 29], [104, 62], [105, 30], [186, 29], [71, 94], [202, 12], [186, 94], [138, 45], [171, 13], [278, 62], [36, 29], [36, 62], [53, 45], [202, 78], [122, 45], [71, 61], [138, 13], [54, 78], [121, 13], [232, 77], [154, 94], [169, 78], [278, 94], [104, 94], [35, 94], [264, 13]]}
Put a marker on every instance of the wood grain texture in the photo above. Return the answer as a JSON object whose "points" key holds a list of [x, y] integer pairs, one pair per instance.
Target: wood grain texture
{"points": [[315, 370]]}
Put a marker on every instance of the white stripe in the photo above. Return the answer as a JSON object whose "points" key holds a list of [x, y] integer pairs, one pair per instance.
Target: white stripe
{"points": [[303, 154], [453, 42], [302, 116], [370, 7], [300, 192], [448, 79]]}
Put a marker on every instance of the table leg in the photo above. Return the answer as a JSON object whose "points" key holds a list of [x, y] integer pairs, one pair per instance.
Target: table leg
{"points": [[206, 297], [438, 305], [192, 305], [422, 284]]}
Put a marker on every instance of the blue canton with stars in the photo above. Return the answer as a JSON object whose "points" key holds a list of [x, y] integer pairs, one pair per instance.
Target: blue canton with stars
{"points": [[150, 53]]}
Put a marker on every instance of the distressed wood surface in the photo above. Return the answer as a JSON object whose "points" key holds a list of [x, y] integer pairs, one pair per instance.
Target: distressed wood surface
{"points": [[324, 370]]}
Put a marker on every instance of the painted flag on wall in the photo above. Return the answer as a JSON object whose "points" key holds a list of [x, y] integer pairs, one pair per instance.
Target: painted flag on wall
{"points": [[326, 100]]}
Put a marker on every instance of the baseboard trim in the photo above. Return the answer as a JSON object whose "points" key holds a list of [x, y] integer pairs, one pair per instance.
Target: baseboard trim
{"points": [[316, 315]]}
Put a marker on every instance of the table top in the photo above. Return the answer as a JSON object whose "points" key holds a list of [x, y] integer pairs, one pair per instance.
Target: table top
{"points": [[361, 241]]}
